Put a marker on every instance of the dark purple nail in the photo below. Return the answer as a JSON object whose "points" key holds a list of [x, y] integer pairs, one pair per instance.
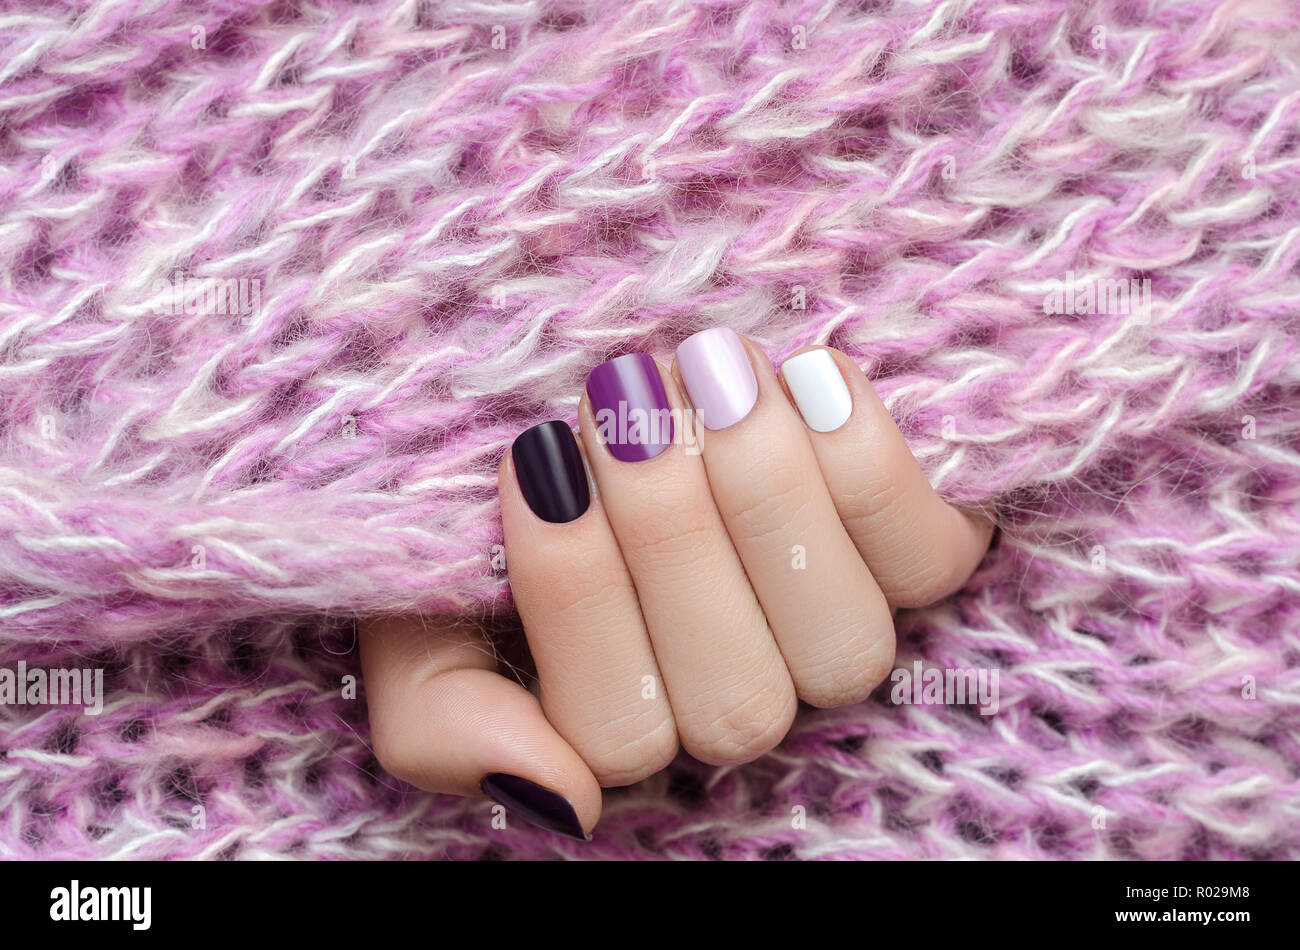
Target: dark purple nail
{"points": [[633, 417], [533, 803], [548, 467]]}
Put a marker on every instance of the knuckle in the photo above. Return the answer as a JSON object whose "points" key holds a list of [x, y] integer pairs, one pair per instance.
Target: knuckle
{"points": [[628, 760], [878, 497], [853, 679], [921, 582], [913, 568], [766, 505], [566, 581], [586, 589], [750, 728], [672, 537]]}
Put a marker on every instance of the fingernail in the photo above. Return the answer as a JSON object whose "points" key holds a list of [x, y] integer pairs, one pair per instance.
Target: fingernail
{"points": [[631, 408], [533, 803], [718, 376], [548, 467], [818, 390]]}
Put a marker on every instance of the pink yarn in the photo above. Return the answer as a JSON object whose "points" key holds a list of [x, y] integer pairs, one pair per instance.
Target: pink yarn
{"points": [[445, 214]]}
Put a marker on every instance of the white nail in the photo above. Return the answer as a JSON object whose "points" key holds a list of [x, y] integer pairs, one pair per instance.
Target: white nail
{"points": [[818, 390]]}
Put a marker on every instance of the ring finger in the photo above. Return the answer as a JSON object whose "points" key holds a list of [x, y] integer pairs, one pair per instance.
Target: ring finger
{"points": [[826, 611]]}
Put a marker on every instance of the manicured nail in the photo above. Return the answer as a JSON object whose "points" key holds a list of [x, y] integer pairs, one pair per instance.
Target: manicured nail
{"points": [[548, 467], [818, 389], [533, 803], [631, 408], [718, 376]]}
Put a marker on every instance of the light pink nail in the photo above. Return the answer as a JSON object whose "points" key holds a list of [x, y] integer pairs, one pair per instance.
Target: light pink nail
{"points": [[718, 377]]}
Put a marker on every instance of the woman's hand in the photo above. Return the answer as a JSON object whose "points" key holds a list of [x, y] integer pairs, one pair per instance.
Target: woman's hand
{"points": [[748, 541]]}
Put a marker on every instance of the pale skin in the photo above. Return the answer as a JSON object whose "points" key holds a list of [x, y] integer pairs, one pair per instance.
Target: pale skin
{"points": [[672, 613]]}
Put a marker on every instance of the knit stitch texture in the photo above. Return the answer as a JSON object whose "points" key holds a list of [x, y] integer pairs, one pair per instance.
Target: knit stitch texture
{"points": [[434, 218]]}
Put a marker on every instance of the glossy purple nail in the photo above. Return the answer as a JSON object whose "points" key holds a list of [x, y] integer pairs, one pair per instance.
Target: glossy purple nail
{"points": [[630, 405]]}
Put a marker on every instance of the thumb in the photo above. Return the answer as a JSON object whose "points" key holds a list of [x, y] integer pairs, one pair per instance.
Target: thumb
{"points": [[444, 720]]}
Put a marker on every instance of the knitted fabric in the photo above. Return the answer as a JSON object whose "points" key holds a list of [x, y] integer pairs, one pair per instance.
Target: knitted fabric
{"points": [[444, 214]]}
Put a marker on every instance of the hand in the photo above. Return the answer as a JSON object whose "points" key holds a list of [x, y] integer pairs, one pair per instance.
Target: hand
{"points": [[719, 572]]}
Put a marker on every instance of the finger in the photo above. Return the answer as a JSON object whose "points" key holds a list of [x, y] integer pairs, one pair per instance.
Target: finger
{"points": [[826, 612], [918, 547], [730, 693], [443, 721], [600, 684]]}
